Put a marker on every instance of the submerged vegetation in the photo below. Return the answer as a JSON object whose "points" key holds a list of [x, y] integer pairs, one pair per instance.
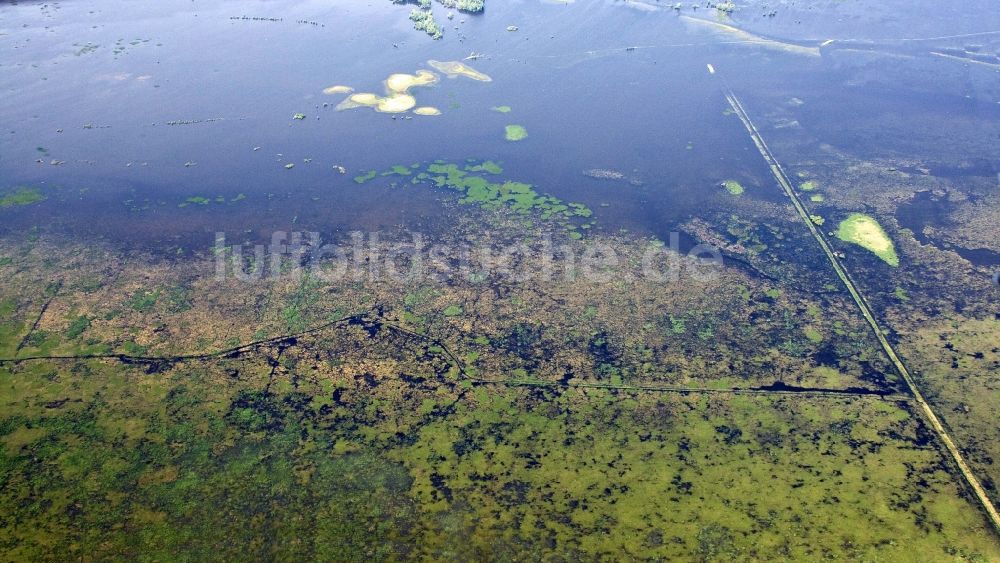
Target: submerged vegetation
{"points": [[21, 195], [747, 38], [436, 407], [367, 176], [454, 69], [733, 187], [865, 231]]}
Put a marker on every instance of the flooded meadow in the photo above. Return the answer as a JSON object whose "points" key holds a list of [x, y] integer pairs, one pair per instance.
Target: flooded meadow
{"points": [[591, 280]]}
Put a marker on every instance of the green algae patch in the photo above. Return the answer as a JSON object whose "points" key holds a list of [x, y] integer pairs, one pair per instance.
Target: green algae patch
{"points": [[817, 198], [733, 187], [516, 133], [518, 197], [866, 232], [454, 69], [366, 177], [501, 109], [807, 186], [21, 196]]}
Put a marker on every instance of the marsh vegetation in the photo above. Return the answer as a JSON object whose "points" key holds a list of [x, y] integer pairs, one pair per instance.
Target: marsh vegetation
{"points": [[237, 323]]}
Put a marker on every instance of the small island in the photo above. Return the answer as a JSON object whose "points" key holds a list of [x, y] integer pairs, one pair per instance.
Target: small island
{"points": [[866, 232]]}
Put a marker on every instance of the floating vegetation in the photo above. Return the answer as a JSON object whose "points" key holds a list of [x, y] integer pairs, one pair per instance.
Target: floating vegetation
{"points": [[332, 90], [121, 48], [479, 190], [817, 219], [807, 186], [817, 198], [299, 116], [398, 98], [85, 49], [866, 232], [516, 133], [397, 103], [725, 8], [201, 200], [423, 20], [501, 109], [21, 195], [453, 311], [454, 69], [362, 99], [464, 5], [398, 85], [402, 82], [255, 19], [733, 187], [193, 121], [604, 174], [614, 175]]}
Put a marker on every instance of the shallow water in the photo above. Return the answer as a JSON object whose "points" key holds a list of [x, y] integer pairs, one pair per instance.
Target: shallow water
{"points": [[653, 113]]}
